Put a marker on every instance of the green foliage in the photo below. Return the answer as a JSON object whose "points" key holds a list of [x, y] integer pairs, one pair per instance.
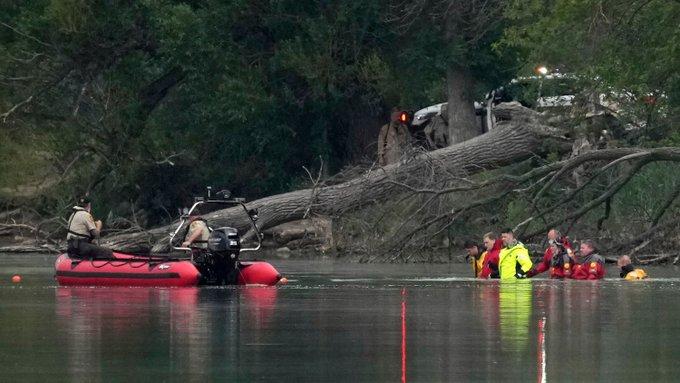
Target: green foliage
{"points": [[638, 202], [169, 96], [144, 103], [515, 211], [622, 47], [69, 16]]}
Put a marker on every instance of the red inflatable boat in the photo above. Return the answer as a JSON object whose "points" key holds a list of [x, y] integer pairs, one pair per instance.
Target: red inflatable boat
{"points": [[216, 264], [132, 270]]}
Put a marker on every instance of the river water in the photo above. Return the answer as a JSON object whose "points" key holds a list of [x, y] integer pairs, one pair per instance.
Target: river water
{"points": [[339, 322]]}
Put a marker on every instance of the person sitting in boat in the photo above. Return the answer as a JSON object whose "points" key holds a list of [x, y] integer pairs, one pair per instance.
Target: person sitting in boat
{"points": [[555, 257], [628, 272], [587, 263], [82, 230], [513, 260], [197, 234], [493, 246]]}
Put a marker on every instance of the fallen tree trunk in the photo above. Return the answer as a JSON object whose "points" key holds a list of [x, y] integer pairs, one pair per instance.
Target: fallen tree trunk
{"points": [[519, 136]]}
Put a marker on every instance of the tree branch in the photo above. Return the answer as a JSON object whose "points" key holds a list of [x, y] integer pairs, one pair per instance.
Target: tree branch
{"points": [[14, 108]]}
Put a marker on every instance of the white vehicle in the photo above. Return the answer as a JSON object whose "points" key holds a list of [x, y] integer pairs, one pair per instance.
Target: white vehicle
{"points": [[423, 115], [546, 92], [538, 92]]}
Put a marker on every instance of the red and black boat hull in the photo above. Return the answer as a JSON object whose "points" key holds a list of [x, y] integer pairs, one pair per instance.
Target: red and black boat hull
{"points": [[131, 270]]}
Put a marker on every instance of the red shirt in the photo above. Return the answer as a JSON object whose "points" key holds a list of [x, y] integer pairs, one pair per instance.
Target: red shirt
{"points": [[546, 262], [491, 259]]}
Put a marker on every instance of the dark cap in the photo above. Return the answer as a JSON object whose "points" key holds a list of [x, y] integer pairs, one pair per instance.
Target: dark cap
{"points": [[83, 201]]}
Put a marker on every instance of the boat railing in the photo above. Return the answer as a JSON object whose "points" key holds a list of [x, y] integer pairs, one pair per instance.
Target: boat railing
{"points": [[252, 215]]}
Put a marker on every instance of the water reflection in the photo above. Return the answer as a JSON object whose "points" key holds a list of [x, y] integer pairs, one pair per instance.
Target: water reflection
{"points": [[187, 326], [504, 314], [261, 303], [403, 335], [317, 330], [514, 311]]}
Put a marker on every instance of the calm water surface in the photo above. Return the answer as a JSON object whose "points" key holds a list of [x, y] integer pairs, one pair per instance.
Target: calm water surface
{"points": [[341, 323]]}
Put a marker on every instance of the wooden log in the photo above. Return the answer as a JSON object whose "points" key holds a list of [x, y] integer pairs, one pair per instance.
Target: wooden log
{"points": [[518, 137]]}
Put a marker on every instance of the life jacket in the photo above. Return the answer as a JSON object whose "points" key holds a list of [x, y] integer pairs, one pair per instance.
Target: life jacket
{"points": [[631, 274], [478, 264], [590, 267], [566, 270], [636, 274], [560, 266], [561, 272], [550, 262]]}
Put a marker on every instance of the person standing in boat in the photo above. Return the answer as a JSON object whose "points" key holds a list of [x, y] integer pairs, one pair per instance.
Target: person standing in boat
{"points": [[82, 231], [198, 233]]}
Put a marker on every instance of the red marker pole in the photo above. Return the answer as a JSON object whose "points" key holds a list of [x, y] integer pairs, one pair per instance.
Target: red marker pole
{"points": [[541, 351], [403, 335]]}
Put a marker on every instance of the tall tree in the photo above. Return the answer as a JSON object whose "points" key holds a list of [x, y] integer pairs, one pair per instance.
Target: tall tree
{"points": [[127, 98], [464, 31], [619, 47]]}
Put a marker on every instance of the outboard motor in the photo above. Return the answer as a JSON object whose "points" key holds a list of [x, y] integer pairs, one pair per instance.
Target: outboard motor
{"points": [[220, 264], [224, 240]]}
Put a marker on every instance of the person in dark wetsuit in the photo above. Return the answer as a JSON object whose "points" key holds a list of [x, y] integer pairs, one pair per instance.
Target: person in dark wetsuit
{"points": [[82, 230]]}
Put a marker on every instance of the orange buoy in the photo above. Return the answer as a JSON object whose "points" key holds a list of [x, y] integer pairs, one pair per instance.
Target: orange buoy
{"points": [[16, 278]]}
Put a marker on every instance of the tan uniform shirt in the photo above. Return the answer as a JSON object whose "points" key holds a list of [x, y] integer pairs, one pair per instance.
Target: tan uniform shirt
{"points": [[392, 140], [202, 241], [81, 222]]}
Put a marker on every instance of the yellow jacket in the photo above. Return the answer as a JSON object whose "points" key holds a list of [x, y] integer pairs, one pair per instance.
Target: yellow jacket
{"points": [[636, 274], [478, 264], [512, 258]]}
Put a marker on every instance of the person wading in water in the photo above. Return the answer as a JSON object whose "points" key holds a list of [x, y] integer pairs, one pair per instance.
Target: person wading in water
{"points": [[513, 260], [555, 257], [493, 246], [588, 263], [628, 272]]}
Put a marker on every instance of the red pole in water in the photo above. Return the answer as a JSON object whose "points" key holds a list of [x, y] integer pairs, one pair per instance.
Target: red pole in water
{"points": [[403, 335], [541, 351]]}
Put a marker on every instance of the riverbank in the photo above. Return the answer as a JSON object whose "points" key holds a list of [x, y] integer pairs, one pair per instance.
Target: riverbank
{"points": [[435, 256], [307, 239]]}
